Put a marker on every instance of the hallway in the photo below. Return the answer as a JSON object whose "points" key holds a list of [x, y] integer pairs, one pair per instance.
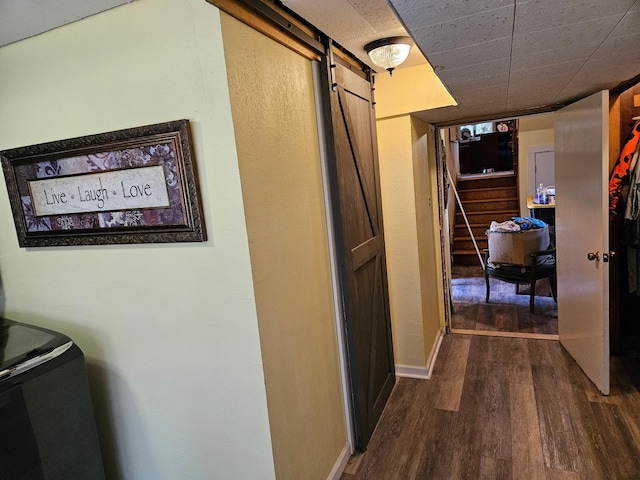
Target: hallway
{"points": [[505, 408]]}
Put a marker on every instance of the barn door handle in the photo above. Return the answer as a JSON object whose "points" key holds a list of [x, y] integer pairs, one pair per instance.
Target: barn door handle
{"points": [[593, 256]]}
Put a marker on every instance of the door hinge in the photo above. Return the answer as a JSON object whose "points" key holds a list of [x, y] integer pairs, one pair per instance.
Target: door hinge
{"points": [[332, 66]]}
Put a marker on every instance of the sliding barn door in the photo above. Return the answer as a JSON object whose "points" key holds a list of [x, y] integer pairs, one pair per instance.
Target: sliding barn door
{"points": [[356, 190]]}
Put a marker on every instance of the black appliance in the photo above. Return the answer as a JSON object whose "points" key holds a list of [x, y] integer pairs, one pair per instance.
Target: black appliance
{"points": [[47, 425]]}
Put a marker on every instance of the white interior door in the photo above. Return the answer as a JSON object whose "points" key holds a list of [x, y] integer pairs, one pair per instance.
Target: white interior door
{"points": [[545, 168], [582, 227], [541, 167]]}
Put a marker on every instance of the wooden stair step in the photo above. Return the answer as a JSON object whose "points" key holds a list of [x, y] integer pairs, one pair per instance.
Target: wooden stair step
{"points": [[486, 182], [467, 243], [493, 204], [488, 193], [486, 217], [476, 227], [466, 258], [468, 251]]}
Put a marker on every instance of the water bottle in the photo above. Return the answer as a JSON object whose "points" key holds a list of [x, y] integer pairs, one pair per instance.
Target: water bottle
{"points": [[541, 194]]}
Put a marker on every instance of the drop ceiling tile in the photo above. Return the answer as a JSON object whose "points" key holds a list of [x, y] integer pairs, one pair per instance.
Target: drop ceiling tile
{"points": [[535, 99], [482, 94], [471, 55], [488, 69], [546, 95], [573, 92], [544, 14], [493, 103], [607, 68], [549, 57], [483, 112], [464, 31], [592, 31], [522, 106], [629, 25], [433, 12], [438, 115], [547, 72], [376, 12], [336, 18], [461, 82], [536, 91], [603, 78], [612, 58]]}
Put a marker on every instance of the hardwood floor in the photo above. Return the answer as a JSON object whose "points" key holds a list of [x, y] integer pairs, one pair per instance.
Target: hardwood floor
{"points": [[505, 408], [506, 310]]}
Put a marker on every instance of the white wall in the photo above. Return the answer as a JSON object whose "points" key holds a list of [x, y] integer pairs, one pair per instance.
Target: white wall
{"points": [[170, 331]]}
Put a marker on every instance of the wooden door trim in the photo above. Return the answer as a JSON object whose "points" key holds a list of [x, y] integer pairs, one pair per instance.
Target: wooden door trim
{"points": [[277, 24]]}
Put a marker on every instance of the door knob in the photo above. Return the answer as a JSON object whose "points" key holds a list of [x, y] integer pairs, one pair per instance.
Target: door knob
{"points": [[593, 256]]}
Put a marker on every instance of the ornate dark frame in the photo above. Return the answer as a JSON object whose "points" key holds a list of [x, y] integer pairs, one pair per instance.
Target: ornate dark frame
{"points": [[190, 227]]}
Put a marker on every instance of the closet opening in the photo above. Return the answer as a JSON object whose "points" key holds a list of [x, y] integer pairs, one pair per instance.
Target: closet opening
{"points": [[625, 224]]}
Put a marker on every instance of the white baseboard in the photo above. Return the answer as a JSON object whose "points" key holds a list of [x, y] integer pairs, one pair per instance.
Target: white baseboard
{"points": [[341, 463], [411, 371], [433, 355]]}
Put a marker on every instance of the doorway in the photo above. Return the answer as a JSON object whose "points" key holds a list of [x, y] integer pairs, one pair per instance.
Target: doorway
{"points": [[507, 312]]}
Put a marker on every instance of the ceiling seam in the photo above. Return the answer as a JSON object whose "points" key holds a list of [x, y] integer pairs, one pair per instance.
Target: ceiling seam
{"points": [[513, 30]]}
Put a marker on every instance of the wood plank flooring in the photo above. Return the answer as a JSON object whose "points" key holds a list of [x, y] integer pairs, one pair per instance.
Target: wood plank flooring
{"points": [[506, 408], [506, 310]]}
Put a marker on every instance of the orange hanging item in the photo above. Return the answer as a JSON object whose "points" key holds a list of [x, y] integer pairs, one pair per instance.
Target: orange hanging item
{"points": [[620, 171]]}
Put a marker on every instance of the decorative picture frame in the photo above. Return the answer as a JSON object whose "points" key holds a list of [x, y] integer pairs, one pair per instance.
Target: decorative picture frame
{"points": [[137, 185]]}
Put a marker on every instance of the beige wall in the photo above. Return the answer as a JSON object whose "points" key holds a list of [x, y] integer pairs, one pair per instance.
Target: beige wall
{"points": [[409, 201], [401, 239], [410, 89], [427, 214], [276, 136], [533, 130], [170, 330]]}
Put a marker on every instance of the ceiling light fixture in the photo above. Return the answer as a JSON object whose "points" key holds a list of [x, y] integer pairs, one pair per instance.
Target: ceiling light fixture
{"points": [[388, 53]]}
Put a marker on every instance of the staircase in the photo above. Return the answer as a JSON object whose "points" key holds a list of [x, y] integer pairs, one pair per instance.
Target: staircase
{"points": [[485, 198]]}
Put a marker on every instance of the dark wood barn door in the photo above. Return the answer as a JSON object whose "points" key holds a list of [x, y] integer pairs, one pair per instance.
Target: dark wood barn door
{"points": [[357, 205]]}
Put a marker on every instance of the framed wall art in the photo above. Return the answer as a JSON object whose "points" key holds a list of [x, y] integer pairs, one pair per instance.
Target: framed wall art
{"points": [[137, 185]]}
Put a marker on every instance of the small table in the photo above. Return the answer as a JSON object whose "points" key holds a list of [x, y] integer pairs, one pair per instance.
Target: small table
{"points": [[545, 212]]}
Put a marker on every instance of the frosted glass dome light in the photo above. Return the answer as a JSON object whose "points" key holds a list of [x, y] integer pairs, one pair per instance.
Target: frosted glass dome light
{"points": [[388, 53]]}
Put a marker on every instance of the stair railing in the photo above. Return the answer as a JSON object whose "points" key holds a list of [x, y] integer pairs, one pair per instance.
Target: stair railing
{"points": [[466, 220]]}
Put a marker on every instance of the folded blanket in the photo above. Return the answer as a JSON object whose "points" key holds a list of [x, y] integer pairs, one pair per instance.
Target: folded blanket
{"points": [[507, 226]]}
